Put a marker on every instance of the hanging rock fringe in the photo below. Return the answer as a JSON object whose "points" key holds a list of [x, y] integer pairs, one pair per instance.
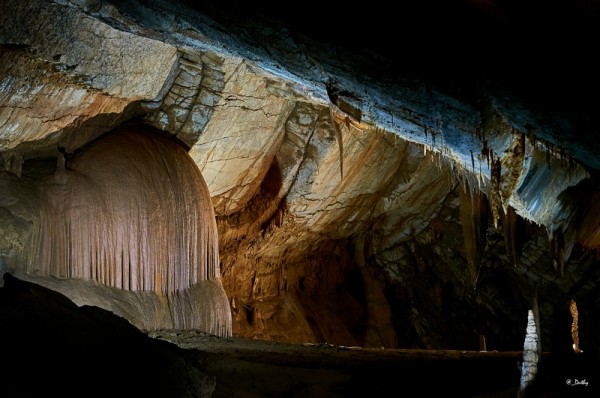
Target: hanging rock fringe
{"points": [[132, 211]]}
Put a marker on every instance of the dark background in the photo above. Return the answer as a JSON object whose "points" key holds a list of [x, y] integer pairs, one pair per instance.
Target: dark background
{"points": [[545, 50]]}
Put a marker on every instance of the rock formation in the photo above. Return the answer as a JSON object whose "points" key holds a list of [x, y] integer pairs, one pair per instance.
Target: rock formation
{"points": [[356, 202], [530, 355], [132, 211]]}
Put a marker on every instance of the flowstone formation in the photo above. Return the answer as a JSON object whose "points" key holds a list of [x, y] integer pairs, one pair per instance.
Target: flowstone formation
{"points": [[132, 211]]}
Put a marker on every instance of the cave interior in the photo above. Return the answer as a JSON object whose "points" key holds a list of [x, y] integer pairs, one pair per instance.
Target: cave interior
{"points": [[417, 177]]}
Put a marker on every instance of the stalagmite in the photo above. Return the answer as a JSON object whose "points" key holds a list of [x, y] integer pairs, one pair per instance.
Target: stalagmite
{"points": [[132, 211], [530, 355], [575, 326]]}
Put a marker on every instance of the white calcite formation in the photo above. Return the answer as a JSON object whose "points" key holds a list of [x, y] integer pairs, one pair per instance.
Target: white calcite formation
{"points": [[530, 353], [132, 211]]}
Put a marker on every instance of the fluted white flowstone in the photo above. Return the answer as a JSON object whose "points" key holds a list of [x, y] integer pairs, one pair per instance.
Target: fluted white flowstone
{"points": [[132, 211]]}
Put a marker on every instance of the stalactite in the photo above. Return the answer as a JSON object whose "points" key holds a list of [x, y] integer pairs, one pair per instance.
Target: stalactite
{"points": [[485, 152], [495, 196], [514, 229], [276, 219], [132, 211], [472, 162], [350, 120], [338, 134], [558, 250], [512, 166], [474, 221]]}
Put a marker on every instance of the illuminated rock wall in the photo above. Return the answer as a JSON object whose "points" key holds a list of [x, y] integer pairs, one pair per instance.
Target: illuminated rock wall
{"points": [[346, 194]]}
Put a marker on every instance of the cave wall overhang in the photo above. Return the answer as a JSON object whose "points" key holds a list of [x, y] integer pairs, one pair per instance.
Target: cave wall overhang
{"points": [[287, 131], [183, 74]]}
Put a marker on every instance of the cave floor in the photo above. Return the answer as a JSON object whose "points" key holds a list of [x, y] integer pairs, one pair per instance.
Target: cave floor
{"points": [[52, 347], [255, 368]]}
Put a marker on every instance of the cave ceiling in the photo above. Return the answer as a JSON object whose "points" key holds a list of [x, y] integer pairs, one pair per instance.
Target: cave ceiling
{"points": [[370, 166]]}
